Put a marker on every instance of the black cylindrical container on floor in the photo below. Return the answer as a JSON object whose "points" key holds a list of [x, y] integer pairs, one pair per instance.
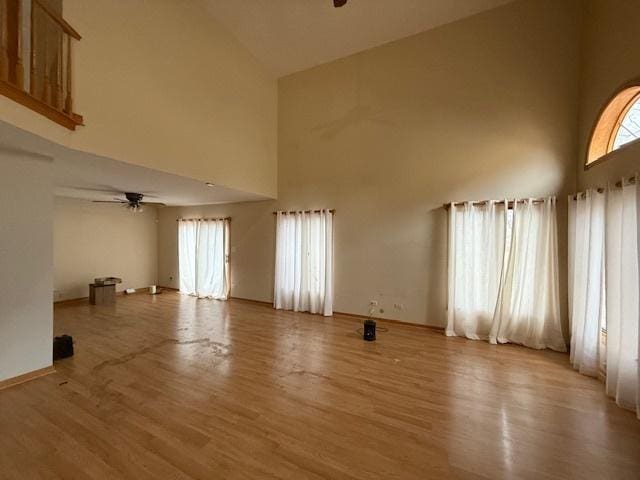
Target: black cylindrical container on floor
{"points": [[62, 347], [369, 333]]}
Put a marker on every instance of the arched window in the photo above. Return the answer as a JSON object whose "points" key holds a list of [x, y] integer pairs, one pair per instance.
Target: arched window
{"points": [[628, 129], [618, 124]]}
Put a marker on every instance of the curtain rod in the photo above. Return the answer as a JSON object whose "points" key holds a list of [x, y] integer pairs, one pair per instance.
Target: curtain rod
{"points": [[618, 184], [304, 211], [497, 202], [202, 219]]}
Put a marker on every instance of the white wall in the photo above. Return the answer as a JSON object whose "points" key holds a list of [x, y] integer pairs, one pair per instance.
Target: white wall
{"points": [[26, 314], [485, 107], [96, 240]]}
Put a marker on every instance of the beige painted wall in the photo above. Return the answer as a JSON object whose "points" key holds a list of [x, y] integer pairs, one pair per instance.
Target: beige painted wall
{"points": [[26, 314], [163, 85], [610, 58], [252, 242], [96, 240], [481, 108]]}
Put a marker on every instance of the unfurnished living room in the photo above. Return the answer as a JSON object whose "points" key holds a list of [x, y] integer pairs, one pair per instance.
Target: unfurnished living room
{"points": [[319, 239]]}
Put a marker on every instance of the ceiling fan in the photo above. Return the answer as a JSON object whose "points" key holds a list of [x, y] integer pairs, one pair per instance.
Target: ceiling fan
{"points": [[133, 202], [339, 3]]}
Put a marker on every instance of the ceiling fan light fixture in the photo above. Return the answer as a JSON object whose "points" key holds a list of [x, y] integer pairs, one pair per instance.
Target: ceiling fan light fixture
{"points": [[135, 208], [339, 3]]}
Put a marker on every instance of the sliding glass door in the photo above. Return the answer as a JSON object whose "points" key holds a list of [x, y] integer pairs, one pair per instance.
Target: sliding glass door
{"points": [[203, 251]]}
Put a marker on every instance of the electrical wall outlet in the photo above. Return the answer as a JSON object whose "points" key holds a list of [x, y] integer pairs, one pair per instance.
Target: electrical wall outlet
{"points": [[398, 306]]}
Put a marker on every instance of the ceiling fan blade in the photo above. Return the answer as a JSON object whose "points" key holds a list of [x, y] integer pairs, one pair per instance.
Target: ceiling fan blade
{"points": [[109, 201], [155, 204], [107, 189]]}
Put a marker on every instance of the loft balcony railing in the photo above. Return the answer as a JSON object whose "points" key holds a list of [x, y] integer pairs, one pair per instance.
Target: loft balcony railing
{"points": [[36, 58]]}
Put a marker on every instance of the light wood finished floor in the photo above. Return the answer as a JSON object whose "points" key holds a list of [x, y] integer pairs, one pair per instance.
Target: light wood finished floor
{"points": [[170, 387]]}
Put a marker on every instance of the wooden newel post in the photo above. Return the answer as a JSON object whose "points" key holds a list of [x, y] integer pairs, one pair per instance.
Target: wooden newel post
{"points": [[68, 103], [4, 40], [58, 92], [19, 64]]}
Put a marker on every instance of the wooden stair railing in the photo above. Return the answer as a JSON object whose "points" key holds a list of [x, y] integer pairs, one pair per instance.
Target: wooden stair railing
{"points": [[45, 40]]}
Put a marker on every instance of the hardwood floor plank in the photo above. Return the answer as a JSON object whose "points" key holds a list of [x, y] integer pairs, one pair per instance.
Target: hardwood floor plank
{"points": [[168, 386]]}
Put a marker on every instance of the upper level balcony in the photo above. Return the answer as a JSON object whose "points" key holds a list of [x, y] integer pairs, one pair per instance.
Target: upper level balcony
{"points": [[36, 58]]}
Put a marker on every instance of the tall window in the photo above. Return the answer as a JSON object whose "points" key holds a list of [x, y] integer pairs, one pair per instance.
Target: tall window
{"points": [[503, 273], [604, 288], [304, 262], [203, 251], [618, 124]]}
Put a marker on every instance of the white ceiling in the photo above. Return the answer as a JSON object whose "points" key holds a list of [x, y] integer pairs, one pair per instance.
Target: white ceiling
{"points": [[91, 177], [292, 35]]}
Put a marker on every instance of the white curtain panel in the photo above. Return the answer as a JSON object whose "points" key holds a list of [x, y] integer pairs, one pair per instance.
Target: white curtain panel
{"points": [[476, 251], [304, 262], [622, 294], [187, 240], [503, 273], [604, 288], [203, 257], [586, 280], [528, 306]]}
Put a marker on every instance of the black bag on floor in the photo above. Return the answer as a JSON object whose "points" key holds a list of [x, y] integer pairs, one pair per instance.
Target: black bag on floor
{"points": [[62, 347]]}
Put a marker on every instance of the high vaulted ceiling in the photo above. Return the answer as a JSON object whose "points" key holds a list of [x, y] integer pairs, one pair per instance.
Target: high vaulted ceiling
{"points": [[293, 35]]}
